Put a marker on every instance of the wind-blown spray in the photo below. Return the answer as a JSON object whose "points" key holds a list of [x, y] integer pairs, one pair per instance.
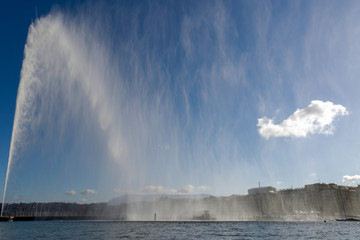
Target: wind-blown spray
{"points": [[113, 104]]}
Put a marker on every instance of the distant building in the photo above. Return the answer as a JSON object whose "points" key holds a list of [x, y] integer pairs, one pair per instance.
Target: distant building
{"points": [[321, 186], [268, 189]]}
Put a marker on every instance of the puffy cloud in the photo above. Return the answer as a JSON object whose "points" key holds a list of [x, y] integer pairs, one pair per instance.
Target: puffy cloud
{"points": [[352, 179], [70, 193], [312, 175], [152, 188], [172, 190], [203, 188], [88, 192], [279, 183], [83, 200], [315, 118], [186, 189]]}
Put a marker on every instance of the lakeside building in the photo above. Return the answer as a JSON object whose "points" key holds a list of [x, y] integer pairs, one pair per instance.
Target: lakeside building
{"points": [[267, 189]]}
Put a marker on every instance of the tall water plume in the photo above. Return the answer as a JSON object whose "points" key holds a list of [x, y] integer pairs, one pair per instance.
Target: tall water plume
{"points": [[115, 97]]}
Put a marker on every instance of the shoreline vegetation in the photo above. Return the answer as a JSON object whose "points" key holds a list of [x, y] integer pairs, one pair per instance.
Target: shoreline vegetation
{"points": [[315, 202]]}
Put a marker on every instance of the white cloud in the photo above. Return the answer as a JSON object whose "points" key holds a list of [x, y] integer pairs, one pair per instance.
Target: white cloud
{"points": [[152, 188], [352, 179], [83, 200], [172, 190], [312, 175], [317, 118], [186, 189], [88, 192], [203, 188], [70, 193], [279, 183]]}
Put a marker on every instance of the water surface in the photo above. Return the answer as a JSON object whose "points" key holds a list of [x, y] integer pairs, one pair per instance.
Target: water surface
{"points": [[84, 230]]}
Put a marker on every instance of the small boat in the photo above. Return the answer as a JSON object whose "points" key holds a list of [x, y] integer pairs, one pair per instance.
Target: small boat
{"points": [[349, 219]]}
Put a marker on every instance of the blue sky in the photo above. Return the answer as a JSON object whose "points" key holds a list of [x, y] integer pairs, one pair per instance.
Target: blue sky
{"points": [[178, 97]]}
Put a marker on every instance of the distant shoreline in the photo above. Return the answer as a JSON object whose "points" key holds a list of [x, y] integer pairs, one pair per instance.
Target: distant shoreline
{"points": [[29, 219], [314, 202]]}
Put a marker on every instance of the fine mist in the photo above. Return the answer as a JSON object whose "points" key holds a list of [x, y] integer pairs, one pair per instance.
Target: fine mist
{"points": [[113, 99]]}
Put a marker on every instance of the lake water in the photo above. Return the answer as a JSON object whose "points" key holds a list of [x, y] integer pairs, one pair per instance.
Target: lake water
{"points": [[178, 230]]}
